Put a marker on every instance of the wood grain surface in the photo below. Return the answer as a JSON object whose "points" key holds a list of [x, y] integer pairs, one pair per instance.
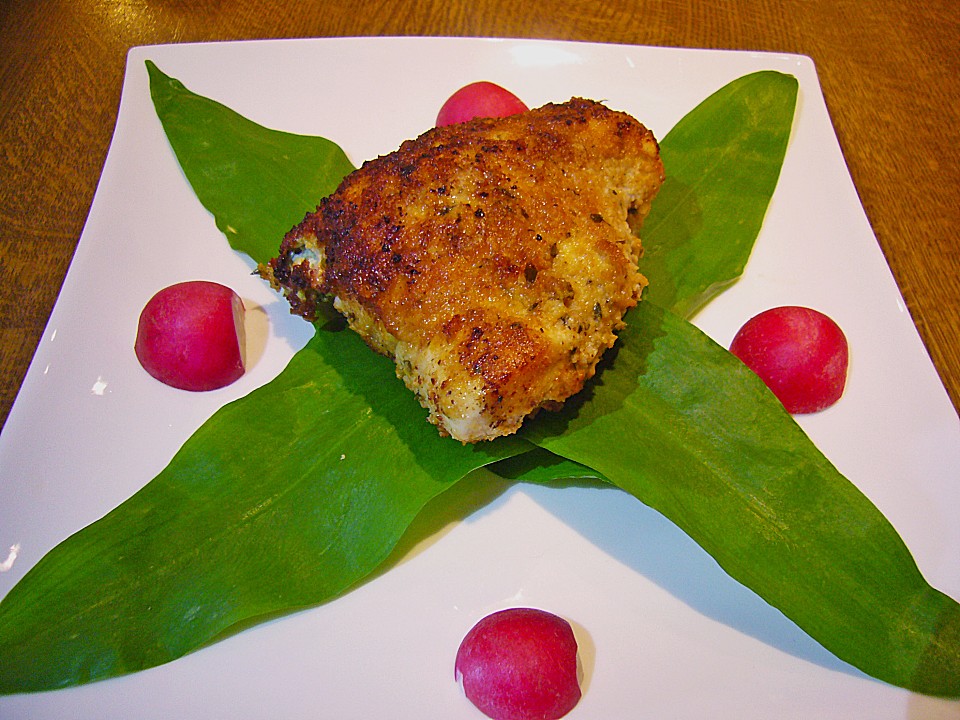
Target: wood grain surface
{"points": [[890, 73]]}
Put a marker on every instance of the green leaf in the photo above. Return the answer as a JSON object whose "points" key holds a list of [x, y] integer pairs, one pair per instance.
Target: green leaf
{"points": [[283, 499], [542, 466], [295, 493], [680, 423], [258, 183], [722, 162]]}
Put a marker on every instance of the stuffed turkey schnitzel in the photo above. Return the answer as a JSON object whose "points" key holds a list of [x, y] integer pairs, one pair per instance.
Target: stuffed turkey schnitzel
{"points": [[492, 260]]}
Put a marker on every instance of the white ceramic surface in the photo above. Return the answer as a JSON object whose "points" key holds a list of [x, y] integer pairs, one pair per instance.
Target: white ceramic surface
{"points": [[663, 632]]}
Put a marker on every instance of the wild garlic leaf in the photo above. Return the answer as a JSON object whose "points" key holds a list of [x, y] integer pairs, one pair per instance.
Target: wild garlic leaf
{"points": [[257, 182], [680, 423], [722, 162], [285, 498]]}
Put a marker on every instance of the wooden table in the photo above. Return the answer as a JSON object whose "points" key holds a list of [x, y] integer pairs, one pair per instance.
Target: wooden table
{"points": [[890, 74]]}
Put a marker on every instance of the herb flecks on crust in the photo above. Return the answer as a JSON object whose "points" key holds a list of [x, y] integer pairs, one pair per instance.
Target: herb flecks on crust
{"points": [[493, 260]]}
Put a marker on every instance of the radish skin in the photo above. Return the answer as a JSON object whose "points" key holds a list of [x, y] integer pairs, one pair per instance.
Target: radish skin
{"points": [[479, 99], [520, 664], [800, 353], [191, 336]]}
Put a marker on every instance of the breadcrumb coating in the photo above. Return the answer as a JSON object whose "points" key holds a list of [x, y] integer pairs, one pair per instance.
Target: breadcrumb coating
{"points": [[493, 260]]}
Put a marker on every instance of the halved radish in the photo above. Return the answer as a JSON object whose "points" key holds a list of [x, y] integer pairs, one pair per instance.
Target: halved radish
{"points": [[191, 336], [520, 664]]}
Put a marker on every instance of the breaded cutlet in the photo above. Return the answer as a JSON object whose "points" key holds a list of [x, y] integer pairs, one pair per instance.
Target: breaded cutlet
{"points": [[493, 260]]}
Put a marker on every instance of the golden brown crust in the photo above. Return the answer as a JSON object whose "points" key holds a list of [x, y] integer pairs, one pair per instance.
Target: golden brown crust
{"points": [[502, 248]]}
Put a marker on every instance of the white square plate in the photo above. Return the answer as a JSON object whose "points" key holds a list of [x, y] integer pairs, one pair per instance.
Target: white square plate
{"points": [[663, 631]]}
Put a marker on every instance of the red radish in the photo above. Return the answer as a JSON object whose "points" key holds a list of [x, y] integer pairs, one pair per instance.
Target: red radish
{"points": [[520, 664], [479, 99], [801, 354], [191, 336]]}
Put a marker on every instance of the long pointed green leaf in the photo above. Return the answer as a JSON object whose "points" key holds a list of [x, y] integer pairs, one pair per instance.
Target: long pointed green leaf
{"points": [[722, 163], [258, 183], [700, 438], [363, 501], [283, 499]]}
